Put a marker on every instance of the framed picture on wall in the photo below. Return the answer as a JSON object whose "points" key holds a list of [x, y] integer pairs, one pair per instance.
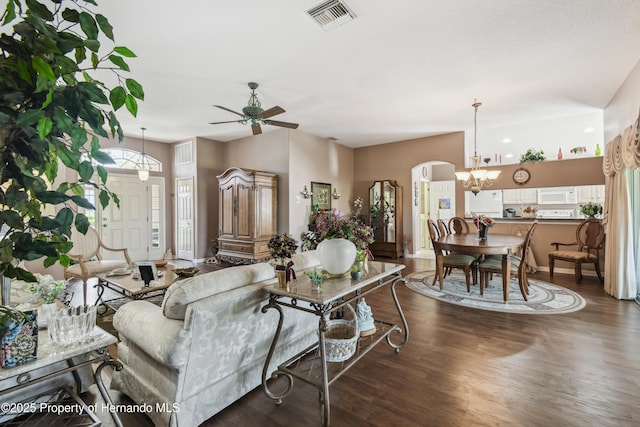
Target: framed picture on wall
{"points": [[321, 195]]}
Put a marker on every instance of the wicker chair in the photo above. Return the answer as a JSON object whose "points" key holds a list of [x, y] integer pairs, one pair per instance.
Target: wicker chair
{"points": [[589, 241], [493, 264], [467, 263], [87, 252]]}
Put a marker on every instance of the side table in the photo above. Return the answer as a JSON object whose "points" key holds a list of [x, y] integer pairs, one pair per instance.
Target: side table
{"points": [[336, 294], [53, 361]]}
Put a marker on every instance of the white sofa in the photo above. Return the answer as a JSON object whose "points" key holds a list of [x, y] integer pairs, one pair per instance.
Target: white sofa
{"points": [[205, 347]]}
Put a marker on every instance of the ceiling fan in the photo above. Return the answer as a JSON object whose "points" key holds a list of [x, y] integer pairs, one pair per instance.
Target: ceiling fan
{"points": [[254, 114]]}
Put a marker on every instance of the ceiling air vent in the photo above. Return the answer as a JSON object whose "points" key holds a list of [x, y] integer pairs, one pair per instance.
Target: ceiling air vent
{"points": [[331, 14]]}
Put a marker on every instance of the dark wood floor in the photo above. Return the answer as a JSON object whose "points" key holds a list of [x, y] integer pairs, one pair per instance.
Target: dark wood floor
{"points": [[466, 367]]}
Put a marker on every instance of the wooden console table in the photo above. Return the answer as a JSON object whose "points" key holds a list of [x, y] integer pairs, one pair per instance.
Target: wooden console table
{"points": [[336, 294]]}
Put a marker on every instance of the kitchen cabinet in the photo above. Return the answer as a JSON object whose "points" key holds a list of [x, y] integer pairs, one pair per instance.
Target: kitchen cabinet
{"points": [[247, 215], [591, 193], [520, 196]]}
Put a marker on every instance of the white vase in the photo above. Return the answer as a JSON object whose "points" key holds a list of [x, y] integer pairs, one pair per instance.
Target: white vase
{"points": [[336, 255]]}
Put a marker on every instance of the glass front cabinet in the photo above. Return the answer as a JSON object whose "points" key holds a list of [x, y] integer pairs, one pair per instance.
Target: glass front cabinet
{"points": [[385, 216]]}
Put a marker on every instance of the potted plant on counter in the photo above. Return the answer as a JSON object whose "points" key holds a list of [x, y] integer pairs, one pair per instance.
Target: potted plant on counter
{"points": [[532, 156], [591, 210]]}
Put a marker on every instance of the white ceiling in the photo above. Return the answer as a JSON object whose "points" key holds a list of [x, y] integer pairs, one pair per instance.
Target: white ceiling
{"points": [[402, 69]]}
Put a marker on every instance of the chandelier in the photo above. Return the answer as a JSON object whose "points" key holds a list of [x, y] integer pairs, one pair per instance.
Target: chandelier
{"points": [[143, 167], [477, 178]]}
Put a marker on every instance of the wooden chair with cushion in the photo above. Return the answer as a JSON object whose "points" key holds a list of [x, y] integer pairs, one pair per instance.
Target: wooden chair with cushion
{"points": [[493, 264], [589, 242], [87, 252], [457, 225], [467, 263], [442, 227]]}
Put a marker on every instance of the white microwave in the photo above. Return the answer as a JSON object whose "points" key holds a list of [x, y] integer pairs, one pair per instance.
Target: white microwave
{"points": [[557, 196]]}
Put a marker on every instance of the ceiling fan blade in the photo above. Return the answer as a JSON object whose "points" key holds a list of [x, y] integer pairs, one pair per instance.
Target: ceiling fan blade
{"points": [[281, 124], [272, 112], [219, 123], [226, 109], [257, 130]]}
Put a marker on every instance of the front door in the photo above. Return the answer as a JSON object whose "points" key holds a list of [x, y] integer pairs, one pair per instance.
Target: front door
{"points": [[130, 225]]}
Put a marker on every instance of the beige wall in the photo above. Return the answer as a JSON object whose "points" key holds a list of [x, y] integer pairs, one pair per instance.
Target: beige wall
{"points": [[394, 161], [319, 160], [210, 161], [622, 110]]}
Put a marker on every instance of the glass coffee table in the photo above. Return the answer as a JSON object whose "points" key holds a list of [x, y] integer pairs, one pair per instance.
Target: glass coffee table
{"points": [[130, 288], [26, 402]]}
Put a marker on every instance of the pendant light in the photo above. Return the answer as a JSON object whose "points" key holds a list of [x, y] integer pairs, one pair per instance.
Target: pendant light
{"points": [[143, 166], [477, 178]]}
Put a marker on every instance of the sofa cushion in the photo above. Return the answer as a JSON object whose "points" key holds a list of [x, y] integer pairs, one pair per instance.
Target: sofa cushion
{"points": [[183, 292], [304, 260], [168, 342]]}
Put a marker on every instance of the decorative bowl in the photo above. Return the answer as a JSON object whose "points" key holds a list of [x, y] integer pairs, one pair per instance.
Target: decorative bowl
{"points": [[186, 272], [161, 263]]}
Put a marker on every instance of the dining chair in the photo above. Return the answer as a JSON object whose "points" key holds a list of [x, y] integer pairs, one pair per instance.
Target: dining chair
{"points": [[493, 264], [442, 227], [87, 252], [467, 263], [457, 225], [589, 241]]}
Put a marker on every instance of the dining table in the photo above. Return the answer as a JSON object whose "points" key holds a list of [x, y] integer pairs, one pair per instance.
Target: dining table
{"points": [[495, 244]]}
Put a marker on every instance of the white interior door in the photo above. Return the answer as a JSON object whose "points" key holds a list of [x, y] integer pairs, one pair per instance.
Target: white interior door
{"points": [[442, 201], [126, 227], [185, 238]]}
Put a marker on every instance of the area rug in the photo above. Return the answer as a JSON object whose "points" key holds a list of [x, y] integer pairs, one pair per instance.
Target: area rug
{"points": [[544, 297]]}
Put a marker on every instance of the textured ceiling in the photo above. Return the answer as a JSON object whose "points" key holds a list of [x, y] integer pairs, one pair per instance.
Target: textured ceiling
{"points": [[400, 70]]}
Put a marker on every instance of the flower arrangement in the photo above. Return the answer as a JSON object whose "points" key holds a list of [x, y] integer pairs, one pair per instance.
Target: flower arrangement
{"points": [[484, 220], [591, 209], [329, 224], [47, 289], [282, 247], [529, 212], [578, 150]]}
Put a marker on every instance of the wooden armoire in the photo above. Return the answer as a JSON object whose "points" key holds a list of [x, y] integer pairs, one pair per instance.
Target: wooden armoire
{"points": [[248, 215]]}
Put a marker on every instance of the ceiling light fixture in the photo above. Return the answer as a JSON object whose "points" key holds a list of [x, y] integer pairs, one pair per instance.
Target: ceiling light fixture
{"points": [[143, 166], [477, 178]]}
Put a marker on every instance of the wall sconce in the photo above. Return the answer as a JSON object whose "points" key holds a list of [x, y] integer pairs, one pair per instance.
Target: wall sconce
{"points": [[305, 193], [335, 194]]}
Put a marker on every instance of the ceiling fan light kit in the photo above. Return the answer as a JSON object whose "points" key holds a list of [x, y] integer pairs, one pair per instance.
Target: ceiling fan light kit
{"points": [[254, 114]]}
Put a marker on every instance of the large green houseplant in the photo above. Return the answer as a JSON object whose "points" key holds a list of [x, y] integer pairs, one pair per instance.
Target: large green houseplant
{"points": [[53, 109]]}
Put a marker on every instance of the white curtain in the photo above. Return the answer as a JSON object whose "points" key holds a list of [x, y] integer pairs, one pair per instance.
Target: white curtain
{"points": [[620, 164]]}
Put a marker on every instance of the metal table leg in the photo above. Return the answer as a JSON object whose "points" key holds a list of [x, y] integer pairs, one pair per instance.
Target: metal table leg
{"points": [[103, 391]]}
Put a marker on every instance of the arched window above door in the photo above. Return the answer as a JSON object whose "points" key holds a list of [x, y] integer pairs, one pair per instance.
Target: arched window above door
{"points": [[125, 158]]}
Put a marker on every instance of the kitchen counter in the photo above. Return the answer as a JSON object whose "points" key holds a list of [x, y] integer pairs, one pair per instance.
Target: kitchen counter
{"points": [[526, 219]]}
